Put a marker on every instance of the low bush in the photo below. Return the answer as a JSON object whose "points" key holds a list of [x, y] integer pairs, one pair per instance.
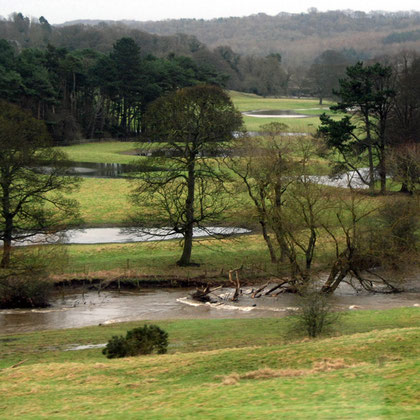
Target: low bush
{"points": [[141, 340], [24, 291], [314, 313]]}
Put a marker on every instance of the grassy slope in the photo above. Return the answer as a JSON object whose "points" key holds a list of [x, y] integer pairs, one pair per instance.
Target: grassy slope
{"points": [[369, 371]]}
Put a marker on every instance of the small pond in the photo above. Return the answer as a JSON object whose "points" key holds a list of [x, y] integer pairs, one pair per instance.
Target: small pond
{"points": [[124, 235], [275, 113]]}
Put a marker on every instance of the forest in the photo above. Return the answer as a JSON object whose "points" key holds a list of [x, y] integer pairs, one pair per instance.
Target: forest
{"points": [[262, 75], [299, 37]]}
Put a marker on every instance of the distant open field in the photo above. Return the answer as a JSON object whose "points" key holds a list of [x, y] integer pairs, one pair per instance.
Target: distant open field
{"points": [[123, 152], [159, 258], [366, 367], [101, 152], [251, 102]]}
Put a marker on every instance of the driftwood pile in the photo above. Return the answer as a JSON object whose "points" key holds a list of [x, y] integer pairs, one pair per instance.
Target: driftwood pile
{"points": [[207, 294]]}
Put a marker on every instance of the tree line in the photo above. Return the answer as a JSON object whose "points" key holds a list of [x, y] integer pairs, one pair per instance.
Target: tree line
{"points": [[287, 54], [88, 94], [299, 37], [262, 75]]}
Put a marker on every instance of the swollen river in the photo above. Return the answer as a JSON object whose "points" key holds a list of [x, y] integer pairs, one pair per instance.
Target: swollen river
{"points": [[80, 308]]}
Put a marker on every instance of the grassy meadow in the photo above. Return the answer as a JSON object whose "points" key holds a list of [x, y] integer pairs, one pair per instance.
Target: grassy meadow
{"points": [[157, 259], [250, 102], [223, 369], [103, 202], [101, 152]]}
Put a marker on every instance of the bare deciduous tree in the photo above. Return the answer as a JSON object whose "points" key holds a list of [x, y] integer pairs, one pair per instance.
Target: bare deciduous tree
{"points": [[192, 124], [32, 180]]}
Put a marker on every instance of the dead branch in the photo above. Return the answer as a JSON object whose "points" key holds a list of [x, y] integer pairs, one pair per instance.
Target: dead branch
{"points": [[18, 364], [259, 290], [386, 282], [277, 286], [236, 283], [202, 295]]}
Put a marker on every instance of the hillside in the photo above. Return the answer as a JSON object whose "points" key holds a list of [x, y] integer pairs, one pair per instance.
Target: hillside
{"points": [[298, 37], [248, 369]]}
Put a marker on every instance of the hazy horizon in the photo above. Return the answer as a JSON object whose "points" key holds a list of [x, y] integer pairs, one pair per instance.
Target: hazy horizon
{"points": [[60, 11]]}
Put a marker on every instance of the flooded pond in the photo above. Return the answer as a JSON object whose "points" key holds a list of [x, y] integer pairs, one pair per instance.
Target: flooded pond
{"points": [[124, 235], [78, 308], [95, 170], [349, 179], [274, 113]]}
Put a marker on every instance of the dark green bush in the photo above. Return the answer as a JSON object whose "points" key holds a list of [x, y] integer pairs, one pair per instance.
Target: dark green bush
{"points": [[141, 340], [116, 347]]}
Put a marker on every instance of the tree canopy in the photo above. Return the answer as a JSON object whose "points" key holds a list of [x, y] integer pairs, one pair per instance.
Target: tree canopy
{"points": [[192, 125], [32, 181]]}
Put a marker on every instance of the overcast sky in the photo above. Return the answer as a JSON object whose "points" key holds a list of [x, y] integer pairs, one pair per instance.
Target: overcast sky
{"points": [[59, 11]]}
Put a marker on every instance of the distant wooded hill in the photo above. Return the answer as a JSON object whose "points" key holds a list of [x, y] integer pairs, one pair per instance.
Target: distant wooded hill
{"points": [[258, 74], [288, 54], [299, 38]]}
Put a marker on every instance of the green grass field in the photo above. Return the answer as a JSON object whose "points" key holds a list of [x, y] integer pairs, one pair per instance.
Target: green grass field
{"points": [[101, 152], [249, 102], [118, 152], [366, 368], [103, 202], [159, 258]]}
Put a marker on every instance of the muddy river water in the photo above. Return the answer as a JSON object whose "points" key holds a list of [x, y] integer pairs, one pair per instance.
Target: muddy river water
{"points": [[79, 308]]}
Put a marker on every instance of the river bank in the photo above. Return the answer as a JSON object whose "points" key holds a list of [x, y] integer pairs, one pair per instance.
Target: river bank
{"points": [[92, 303]]}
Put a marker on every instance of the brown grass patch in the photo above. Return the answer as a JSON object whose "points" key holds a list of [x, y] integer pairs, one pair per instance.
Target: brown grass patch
{"points": [[267, 373], [231, 379], [325, 365]]}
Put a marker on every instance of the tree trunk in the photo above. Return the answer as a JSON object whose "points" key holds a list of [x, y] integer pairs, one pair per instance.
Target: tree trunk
{"points": [[371, 170], [268, 242], [382, 170], [7, 248], [185, 259], [7, 243], [338, 272]]}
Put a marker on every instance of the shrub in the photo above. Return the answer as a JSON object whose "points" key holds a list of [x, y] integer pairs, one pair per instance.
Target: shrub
{"points": [[25, 283], [116, 347], [400, 220], [24, 291], [141, 340], [314, 313]]}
